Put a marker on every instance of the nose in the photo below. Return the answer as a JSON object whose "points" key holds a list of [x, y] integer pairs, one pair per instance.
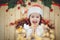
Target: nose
{"points": [[35, 18]]}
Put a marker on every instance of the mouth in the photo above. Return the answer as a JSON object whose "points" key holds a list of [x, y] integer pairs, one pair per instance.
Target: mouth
{"points": [[34, 22]]}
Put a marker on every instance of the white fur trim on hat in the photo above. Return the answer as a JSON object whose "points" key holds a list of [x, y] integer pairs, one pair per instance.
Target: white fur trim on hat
{"points": [[33, 10]]}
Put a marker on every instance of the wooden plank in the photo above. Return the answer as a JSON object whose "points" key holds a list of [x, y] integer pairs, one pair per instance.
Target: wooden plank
{"points": [[6, 37], [52, 15], [2, 14], [46, 12], [58, 14], [57, 22], [17, 12], [52, 18], [11, 28]]}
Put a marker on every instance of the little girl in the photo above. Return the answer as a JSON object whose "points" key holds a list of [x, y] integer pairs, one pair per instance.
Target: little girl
{"points": [[34, 28]]}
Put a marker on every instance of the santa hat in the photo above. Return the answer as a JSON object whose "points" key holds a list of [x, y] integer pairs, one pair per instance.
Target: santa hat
{"points": [[33, 10]]}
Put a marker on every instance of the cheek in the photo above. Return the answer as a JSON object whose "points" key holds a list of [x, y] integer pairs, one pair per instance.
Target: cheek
{"points": [[31, 19]]}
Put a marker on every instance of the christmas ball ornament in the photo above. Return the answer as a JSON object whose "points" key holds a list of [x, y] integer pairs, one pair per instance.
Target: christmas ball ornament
{"points": [[18, 8], [52, 36], [51, 31], [7, 10], [11, 23], [29, 3], [19, 30], [51, 10]]}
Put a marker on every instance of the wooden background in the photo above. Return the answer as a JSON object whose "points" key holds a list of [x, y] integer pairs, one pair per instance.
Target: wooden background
{"points": [[7, 32]]}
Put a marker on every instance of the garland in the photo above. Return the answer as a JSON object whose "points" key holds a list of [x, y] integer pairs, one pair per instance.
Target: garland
{"points": [[13, 3]]}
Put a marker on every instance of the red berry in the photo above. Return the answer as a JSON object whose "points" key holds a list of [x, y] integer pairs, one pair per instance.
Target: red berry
{"points": [[18, 7], [29, 3], [7, 10], [51, 10]]}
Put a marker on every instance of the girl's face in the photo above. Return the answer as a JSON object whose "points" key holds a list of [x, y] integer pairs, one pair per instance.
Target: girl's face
{"points": [[35, 19]]}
